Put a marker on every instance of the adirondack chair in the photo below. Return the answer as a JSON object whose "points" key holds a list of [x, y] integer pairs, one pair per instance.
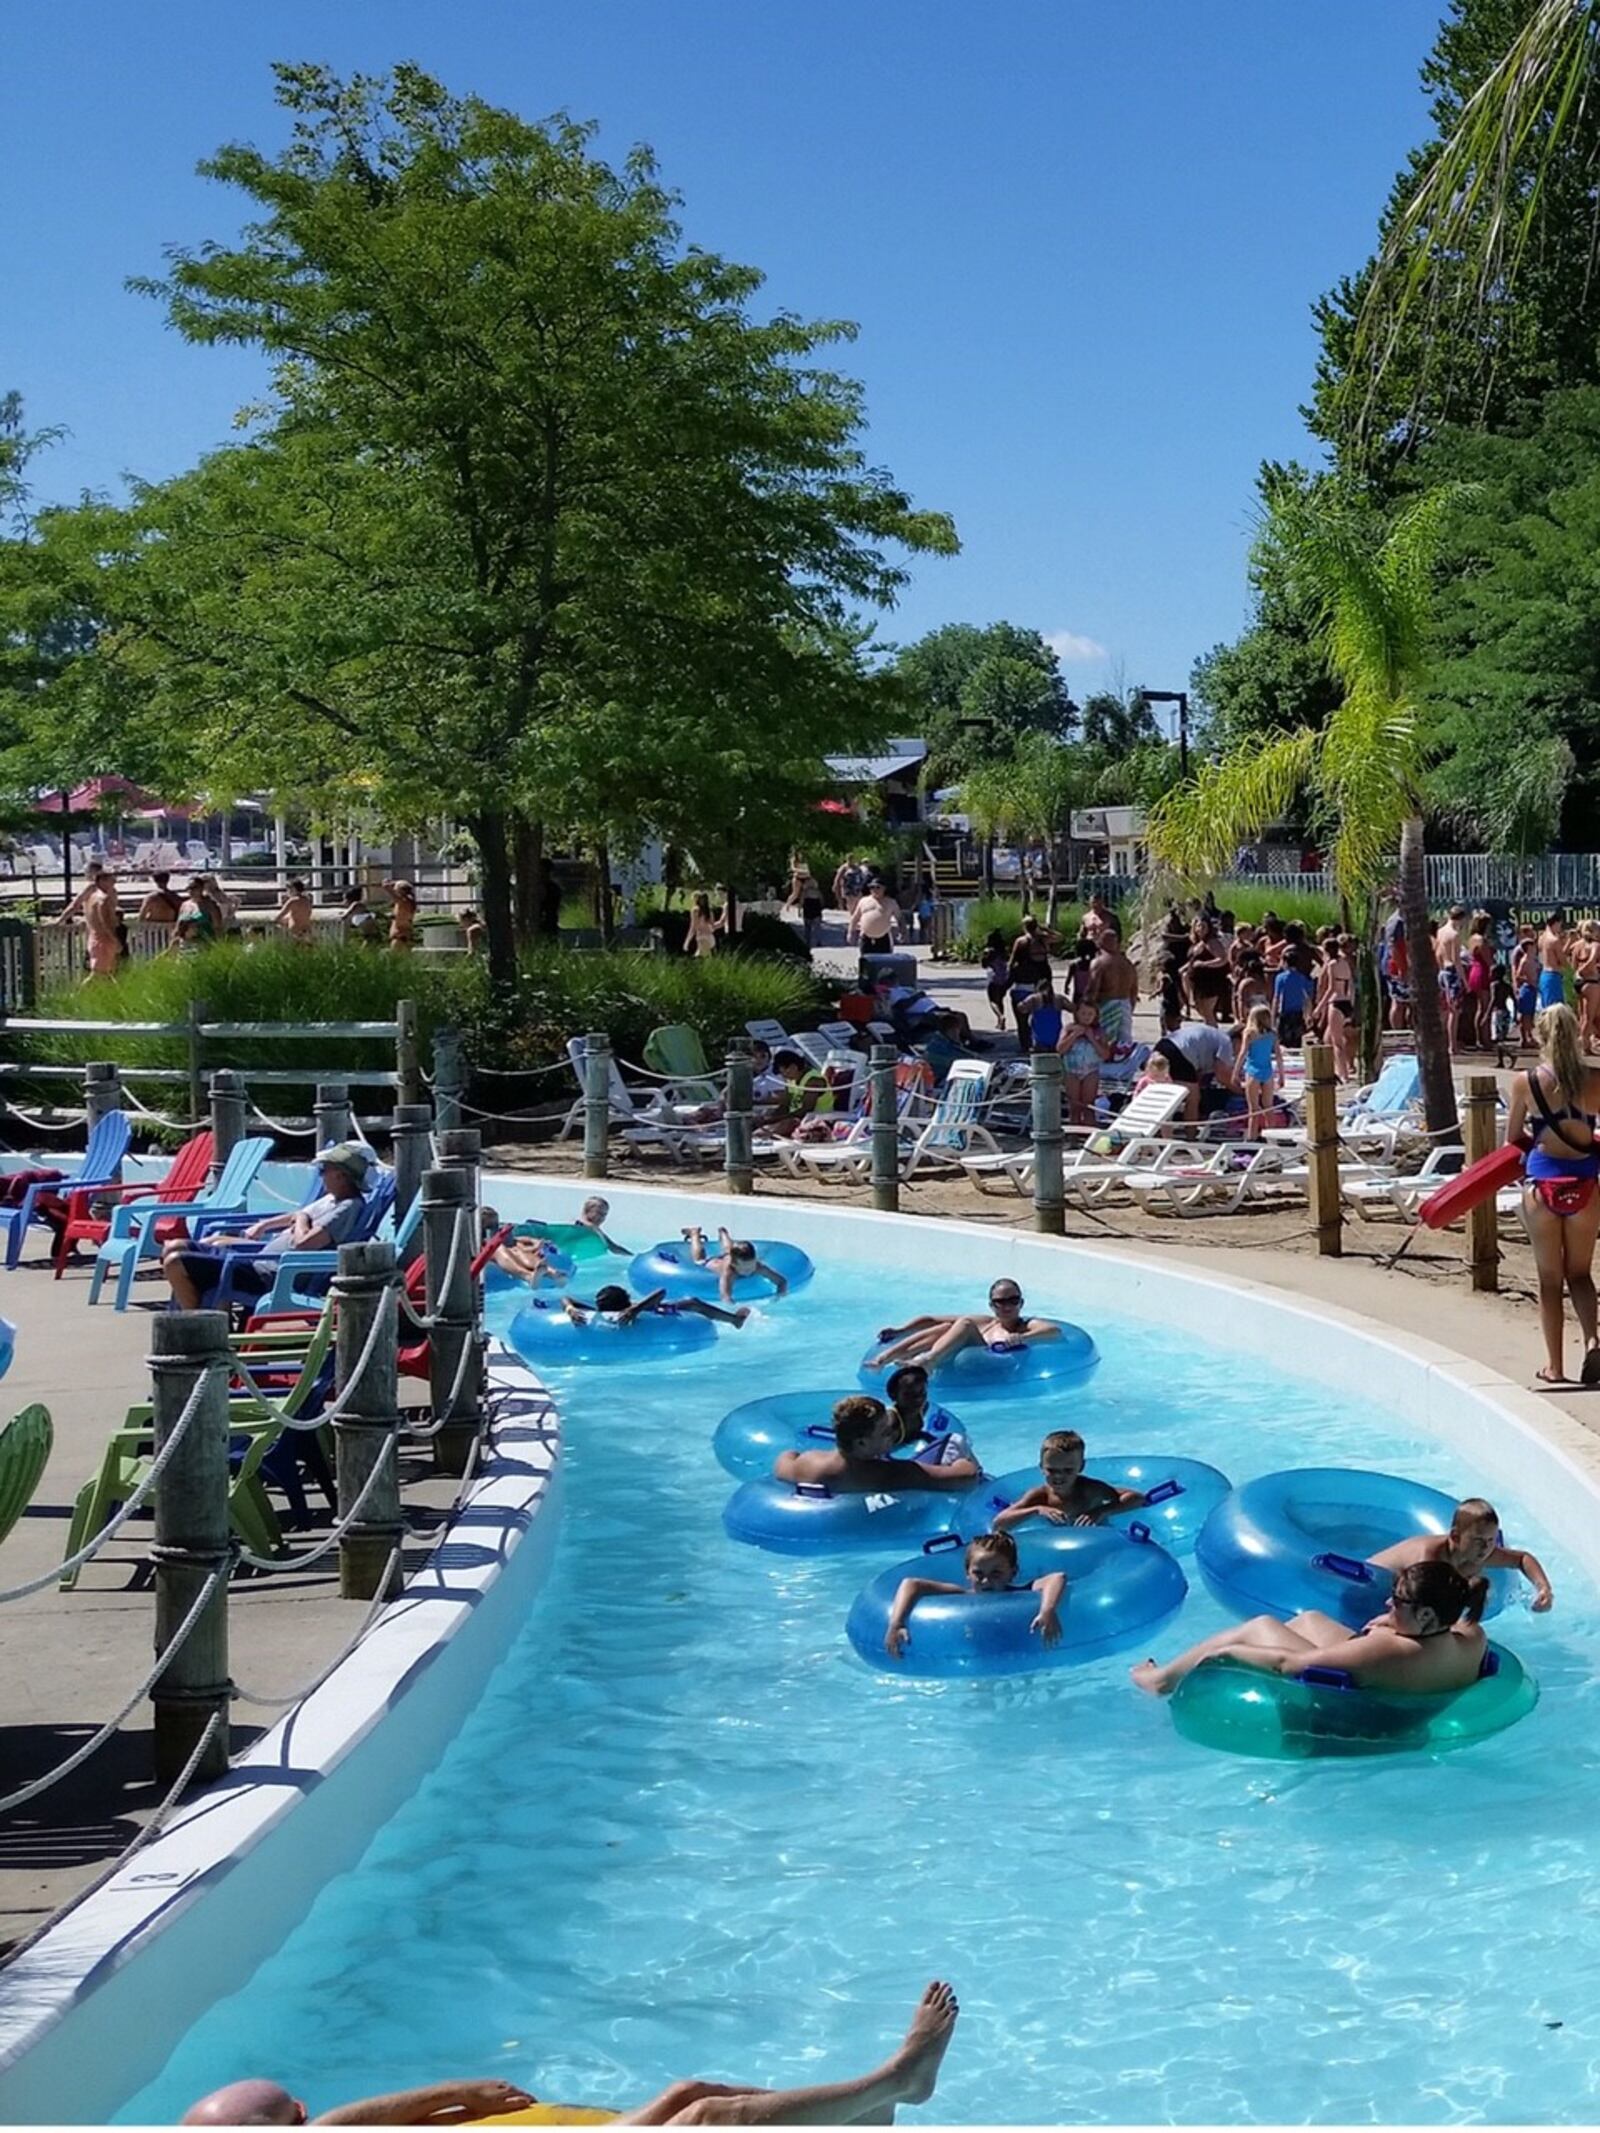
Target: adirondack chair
{"points": [[415, 1357], [675, 1052], [186, 1177], [376, 1203], [303, 1277], [253, 1430], [100, 1164], [135, 1240], [24, 1454]]}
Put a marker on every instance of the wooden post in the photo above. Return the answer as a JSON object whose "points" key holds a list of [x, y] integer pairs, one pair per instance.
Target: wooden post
{"points": [[448, 1242], [197, 1070], [449, 1077], [1049, 1199], [332, 1113], [366, 1430], [596, 1102], [885, 1129], [227, 1117], [102, 1090], [191, 1540], [1479, 1137], [407, 1072], [412, 1133], [1322, 1150], [739, 1162], [461, 1148]]}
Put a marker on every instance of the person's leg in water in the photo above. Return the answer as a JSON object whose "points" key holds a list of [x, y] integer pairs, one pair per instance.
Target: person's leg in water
{"points": [[1578, 1234], [702, 1309], [695, 1238], [909, 2076], [1265, 1631], [960, 1333], [1550, 1257], [912, 1346]]}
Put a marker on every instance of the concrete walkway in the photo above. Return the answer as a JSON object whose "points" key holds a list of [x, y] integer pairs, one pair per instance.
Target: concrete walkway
{"points": [[68, 1660]]}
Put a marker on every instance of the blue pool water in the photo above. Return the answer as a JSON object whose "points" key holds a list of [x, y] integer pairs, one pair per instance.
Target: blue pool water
{"points": [[686, 1831]]}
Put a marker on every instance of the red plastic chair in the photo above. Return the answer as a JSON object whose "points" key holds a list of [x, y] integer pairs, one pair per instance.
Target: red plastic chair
{"points": [[183, 1181], [416, 1356]]}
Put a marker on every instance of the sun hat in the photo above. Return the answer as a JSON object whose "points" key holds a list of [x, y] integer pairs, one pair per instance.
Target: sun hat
{"points": [[346, 1155]]}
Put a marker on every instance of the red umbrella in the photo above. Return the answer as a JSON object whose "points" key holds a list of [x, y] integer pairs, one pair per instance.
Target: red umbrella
{"points": [[95, 793], [834, 807]]}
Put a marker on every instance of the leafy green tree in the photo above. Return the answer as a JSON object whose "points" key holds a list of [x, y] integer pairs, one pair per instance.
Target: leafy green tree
{"points": [[1030, 796], [1119, 723], [1483, 294], [1369, 586], [532, 469], [973, 693]]}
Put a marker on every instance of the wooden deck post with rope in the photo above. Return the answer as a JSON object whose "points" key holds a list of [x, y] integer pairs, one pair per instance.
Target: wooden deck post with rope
{"points": [[455, 1366], [366, 1428], [1049, 1195], [737, 1156], [411, 1133], [1480, 1134], [192, 1540], [596, 1102], [885, 1130], [102, 1090], [227, 1118], [1322, 1150], [331, 1111]]}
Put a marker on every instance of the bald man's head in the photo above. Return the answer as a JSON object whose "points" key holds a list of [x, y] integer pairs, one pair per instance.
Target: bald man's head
{"points": [[246, 2103]]}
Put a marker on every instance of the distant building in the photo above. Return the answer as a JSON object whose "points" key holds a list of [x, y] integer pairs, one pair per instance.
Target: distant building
{"points": [[894, 775], [1118, 832]]}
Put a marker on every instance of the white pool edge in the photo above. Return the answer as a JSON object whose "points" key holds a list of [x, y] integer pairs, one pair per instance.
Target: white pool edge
{"points": [[93, 2011]]}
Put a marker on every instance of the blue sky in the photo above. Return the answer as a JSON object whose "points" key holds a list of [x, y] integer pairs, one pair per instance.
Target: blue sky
{"points": [[1080, 238]]}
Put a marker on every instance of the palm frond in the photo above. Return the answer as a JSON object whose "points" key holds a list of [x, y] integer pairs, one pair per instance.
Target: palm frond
{"points": [[1197, 829], [1465, 229], [1369, 766]]}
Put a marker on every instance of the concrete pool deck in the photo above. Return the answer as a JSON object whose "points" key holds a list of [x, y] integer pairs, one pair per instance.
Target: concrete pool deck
{"points": [[69, 1659]]}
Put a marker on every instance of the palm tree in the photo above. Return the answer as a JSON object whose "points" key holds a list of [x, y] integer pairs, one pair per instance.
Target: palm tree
{"points": [[1367, 586], [1455, 255]]}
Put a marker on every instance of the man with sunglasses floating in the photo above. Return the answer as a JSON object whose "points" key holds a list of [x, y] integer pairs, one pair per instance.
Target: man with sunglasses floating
{"points": [[931, 1341]]}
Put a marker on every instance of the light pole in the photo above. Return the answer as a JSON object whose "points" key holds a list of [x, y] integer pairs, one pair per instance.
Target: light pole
{"points": [[1180, 697]]}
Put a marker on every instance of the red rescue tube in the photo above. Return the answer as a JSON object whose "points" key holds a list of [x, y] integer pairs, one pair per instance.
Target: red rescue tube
{"points": [[1457, 1196]]}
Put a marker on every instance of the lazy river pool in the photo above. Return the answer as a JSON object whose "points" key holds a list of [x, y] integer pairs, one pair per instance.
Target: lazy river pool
{"points": [[686, 1831]]}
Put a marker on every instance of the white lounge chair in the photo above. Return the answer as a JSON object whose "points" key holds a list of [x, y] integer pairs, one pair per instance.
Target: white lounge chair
{"points": [[1237, 1171], [768, 1032], [946, 1134], [653, 1123], [1140, 1120]]}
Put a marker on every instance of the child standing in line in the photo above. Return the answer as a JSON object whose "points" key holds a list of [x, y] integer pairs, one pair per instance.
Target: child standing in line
{"points": [[1525, 980], [1084, 1048], [1263, 1068]]}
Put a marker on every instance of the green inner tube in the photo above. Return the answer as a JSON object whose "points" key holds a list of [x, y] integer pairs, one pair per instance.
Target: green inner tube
{"points": [[1225, 1704], [569, 1237]]}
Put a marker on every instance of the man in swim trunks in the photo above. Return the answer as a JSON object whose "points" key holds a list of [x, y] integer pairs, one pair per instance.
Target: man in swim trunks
{"points": [[1553, 956], [907, 2076], [930, 1341], [1421, 1644], [1113, 984], [1447, 945], [865, 1435]]}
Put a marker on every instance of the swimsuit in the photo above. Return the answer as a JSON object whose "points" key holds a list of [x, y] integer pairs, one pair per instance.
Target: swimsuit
{"points": [[1565, 1182], [1258, 1058], [1551, 990], [1082, 1056]]}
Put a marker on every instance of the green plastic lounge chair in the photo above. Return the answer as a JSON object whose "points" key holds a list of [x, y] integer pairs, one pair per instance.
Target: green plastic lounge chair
{"points": [[24, 1454], [129, 1454], [675, 1051]]}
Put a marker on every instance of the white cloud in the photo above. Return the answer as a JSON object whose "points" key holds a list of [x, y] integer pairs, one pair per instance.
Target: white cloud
{"points": [[1070, 647]]}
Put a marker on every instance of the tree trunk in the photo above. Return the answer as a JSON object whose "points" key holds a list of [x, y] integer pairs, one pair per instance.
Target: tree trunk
{"points": [[499, 921], [1427, 1012], [1369, 991], [604, 914], [528, 841]]}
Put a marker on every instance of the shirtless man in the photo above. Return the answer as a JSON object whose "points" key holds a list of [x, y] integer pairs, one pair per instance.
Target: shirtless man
{"points": [[1553, 960], [1421, 1643], [1447, 946], [865, 1435], [930, 1340], [101, 917], [402, 914], [1113, 984], [161, 906], [294, 914], [908, 2076]]}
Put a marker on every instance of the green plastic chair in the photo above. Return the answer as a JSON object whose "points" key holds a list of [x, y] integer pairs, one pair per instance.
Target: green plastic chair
{"points": [[675, 1050], [130, 1452], [24, 1454]]}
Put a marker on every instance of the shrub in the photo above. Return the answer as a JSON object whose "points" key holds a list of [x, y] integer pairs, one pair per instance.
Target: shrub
{"points": [[1308, 907], [1004, 914], [761, 935]]}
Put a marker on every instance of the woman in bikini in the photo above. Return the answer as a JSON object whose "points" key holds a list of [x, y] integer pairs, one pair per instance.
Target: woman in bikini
{"points": [[1586, 974], [1336, 1003], [1553, 1112]]}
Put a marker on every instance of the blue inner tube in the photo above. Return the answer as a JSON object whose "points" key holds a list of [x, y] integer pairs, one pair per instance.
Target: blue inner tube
{"points": [[1003, 1372], [749, 1438], [1180, 1495], [1119, 1591], [669, 1267], [1301, 1538], [1224, 1704], [8, 1345], [543, 1333], [558, 1265], [806, 1518]]}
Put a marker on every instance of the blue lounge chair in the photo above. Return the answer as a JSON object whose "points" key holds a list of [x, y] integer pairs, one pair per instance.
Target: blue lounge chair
{"points": [[303, 1277], [377, 1201], [134, 1225], [100, 1164]]}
